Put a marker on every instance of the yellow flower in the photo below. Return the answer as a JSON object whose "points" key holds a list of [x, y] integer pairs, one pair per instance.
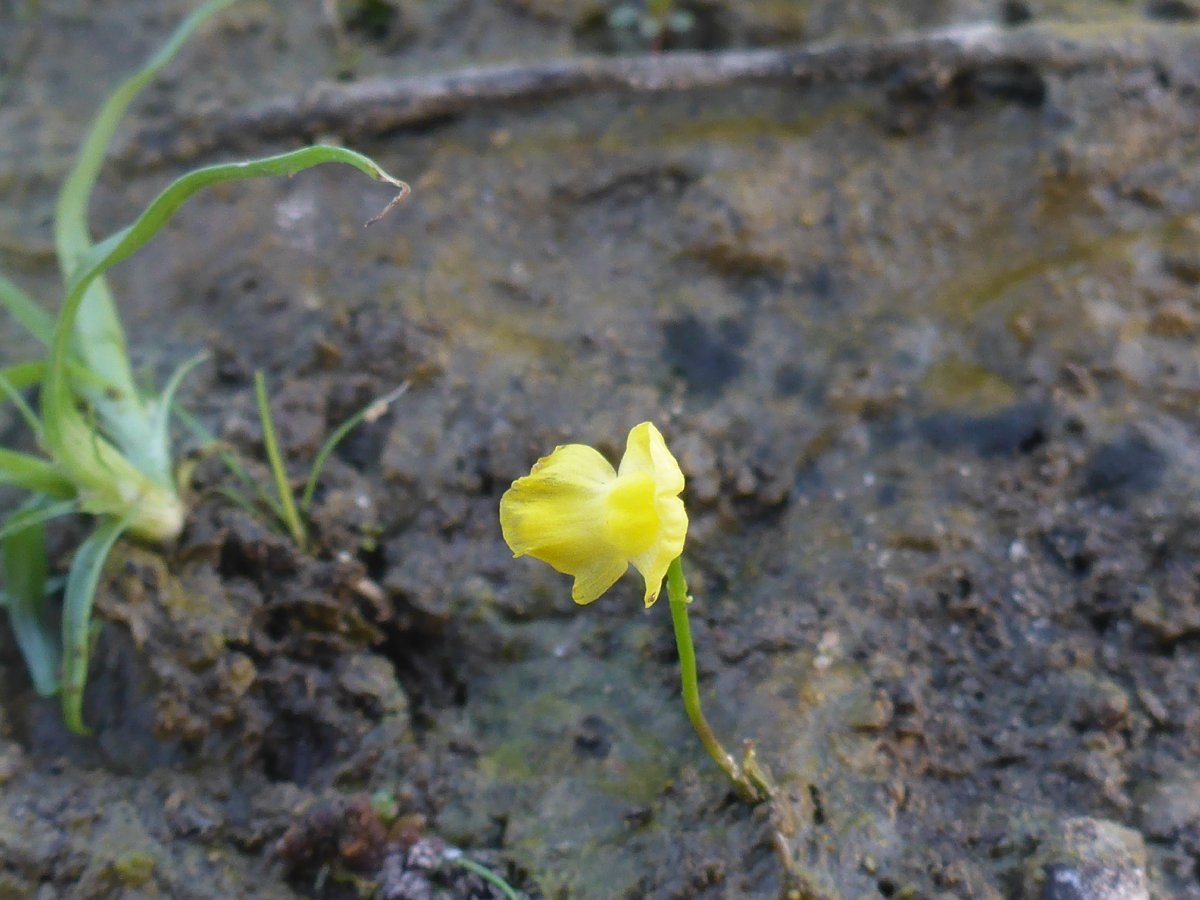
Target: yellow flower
{"points": [[575, 513]]}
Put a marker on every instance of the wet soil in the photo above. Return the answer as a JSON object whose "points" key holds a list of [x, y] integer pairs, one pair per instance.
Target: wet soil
{"points": [[926, 351]]}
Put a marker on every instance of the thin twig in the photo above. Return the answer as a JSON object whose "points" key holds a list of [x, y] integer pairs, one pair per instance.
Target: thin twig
{"points": [[379, 105]]}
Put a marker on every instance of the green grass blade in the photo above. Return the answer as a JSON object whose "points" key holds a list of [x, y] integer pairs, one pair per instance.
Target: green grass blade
{"points": [[455, 856], [70, 224], [99, 338], [57, 404], [129, 240], [235, 467], [244, 503], [22, 375], [36, 512], [372, 410], [291, 517], [160, 409], [12, 392], [24, 566], [26, 310], [53, 586], [206, 437], [80, 594], [27, 374], [30, 473]]}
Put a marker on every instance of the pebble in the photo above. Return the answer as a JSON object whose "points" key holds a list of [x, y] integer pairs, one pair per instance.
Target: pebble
{"points": [[1089, 859]]}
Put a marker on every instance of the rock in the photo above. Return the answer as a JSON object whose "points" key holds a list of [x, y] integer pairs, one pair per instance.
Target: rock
{"points": [[1170, 810], [1089, 859]]}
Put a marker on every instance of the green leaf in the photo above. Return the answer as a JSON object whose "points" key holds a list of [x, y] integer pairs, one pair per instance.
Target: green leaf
{"points": [[26, 310], [13, 393], [99, 339], [23, 566], [283, 490], [374, 409], [70, 224], [36, 512], [22, 375], [159, 425], [80, 594], [30, 473], [235, 467], [58, 409]]}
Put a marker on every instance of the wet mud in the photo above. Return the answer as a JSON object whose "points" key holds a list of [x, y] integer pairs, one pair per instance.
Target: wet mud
{"points": [[926, 351]]}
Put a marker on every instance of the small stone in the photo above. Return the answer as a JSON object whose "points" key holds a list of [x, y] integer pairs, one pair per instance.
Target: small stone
{"points": [[372, 678], [1174, 320], [1171, 808], [426, 854], [1096, 701], [872, 713], [407, 886], [1089, 859]]}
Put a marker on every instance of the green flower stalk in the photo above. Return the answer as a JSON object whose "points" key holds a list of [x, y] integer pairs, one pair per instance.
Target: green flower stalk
{"points": [[584, 518], [749, 778]]}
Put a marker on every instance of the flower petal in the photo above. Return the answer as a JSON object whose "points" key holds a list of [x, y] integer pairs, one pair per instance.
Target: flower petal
{"points": [[631, 518], [646, 451], [653, 564], [556, 512], [601, 574]]}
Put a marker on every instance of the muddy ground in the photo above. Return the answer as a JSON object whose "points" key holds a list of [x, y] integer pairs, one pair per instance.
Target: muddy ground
{"points": [[926, 349]]}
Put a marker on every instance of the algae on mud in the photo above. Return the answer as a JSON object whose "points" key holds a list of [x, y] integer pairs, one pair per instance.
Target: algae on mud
{"points": [[947, 464]]}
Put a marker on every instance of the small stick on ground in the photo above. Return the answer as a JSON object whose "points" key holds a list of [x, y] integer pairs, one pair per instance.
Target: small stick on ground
{"points": [[372, 107]]}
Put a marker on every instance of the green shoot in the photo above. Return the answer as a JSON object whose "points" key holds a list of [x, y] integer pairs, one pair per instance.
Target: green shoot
{"points": [[454, 855], [283, 505], [283, 490], [368, 413], [105, 446]]}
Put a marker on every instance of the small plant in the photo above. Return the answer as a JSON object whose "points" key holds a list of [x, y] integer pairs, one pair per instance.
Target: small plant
{"points": [[576, 513], [105, 446], [290, 512]]}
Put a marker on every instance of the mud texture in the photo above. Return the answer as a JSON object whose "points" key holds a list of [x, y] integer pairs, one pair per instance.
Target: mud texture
{"points": [[926, 350]]}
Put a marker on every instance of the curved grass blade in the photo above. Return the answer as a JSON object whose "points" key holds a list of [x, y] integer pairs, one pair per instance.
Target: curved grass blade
{"points": [[12, 391], [454, 855], [160, 409], [80, 593], [24, 566], [99, 339], [58, 409], [371, 411], [287, 502], [70, 221]]}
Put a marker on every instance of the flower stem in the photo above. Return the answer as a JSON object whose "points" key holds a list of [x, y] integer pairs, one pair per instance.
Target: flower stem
{"points": [[750, 780]]}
